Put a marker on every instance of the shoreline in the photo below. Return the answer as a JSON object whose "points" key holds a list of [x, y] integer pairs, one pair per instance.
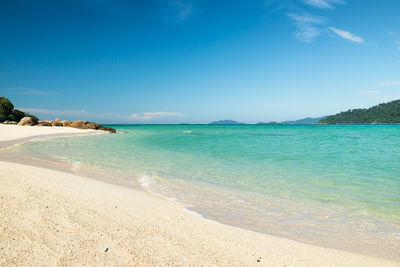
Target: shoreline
{"points": [[192, 240]]}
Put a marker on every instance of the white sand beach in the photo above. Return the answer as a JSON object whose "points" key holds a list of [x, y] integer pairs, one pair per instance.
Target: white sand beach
{"points": [[53, 218], [14, 132]]}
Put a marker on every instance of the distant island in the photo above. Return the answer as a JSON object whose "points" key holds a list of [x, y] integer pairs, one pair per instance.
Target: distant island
{"points": [[226, 122], [305, 121], [386, 113], [297, 122], [268, 123]]}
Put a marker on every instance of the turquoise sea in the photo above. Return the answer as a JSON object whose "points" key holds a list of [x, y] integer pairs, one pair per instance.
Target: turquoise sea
{"points": [[334, 186]]}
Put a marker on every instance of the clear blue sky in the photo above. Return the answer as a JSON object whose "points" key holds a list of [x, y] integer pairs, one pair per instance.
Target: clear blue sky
{"points": [[171, 61]]}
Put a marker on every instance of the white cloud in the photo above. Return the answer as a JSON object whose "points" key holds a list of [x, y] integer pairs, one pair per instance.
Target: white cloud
{"points": [[323, 4], [178, 10], [154, 115], [28, 91], [307, 26], [306, 18], [184, 8], [387, 84], [103, 117], [397, 38], [397, 43], [383, 91], [347, 35]]}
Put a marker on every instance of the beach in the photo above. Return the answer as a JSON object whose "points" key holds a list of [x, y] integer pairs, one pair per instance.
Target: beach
{"points": [[55, 218]]}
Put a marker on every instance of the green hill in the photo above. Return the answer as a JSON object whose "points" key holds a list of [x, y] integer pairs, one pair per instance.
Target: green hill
{"points": [[304, 121], [380, 114], [226, 122]]}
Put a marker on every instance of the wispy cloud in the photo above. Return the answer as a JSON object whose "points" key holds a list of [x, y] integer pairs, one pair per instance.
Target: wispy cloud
{"points": [[178, 11], [103, 116], [323, 4], [347, 35], [174, 10], [153, 115], [307, 26], [396, 40], [108, 6], [383, 91], [387, 84], [397, 43], [183, 8], [28, 91]]}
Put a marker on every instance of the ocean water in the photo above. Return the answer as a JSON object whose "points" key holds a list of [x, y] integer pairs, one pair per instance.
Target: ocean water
{"points": [[334, 186]]}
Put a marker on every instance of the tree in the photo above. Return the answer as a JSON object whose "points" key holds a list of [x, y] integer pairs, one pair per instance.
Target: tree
{"points": [[6, 108], [381, 114], [7, 111], [17, 115]]}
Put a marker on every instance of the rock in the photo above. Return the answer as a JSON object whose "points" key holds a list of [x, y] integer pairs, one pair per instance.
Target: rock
{"points": [[56, 123], [9, 122], [65, 123], [90, 125], [86, 125], [27, 121], [44, 123], [108, 129]]}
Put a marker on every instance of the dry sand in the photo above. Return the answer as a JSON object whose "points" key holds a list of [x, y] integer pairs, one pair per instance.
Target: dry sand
{"points": [[52, 218], [14, 132]]}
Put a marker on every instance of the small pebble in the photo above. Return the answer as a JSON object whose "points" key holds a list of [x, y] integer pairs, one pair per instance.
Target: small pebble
{"points": [[106, 250]]}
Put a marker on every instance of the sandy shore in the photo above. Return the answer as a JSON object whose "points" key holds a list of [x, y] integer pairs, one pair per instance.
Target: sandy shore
{"points": [[54, 218], [14, 132]]}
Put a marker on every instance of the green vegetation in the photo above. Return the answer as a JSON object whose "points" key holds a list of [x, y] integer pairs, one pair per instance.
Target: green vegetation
{"points": [[380, 114], [304, 121], [7, 111]]}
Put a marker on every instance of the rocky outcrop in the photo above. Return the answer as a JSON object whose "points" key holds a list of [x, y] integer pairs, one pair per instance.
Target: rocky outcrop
{"points": [[108, 129], [91, 125], [85, 125], [65, 123], [44, 123], [56, 123], [27, 121]]}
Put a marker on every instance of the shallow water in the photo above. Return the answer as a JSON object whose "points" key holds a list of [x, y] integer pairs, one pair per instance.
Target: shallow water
{"points": [[336, 186]]}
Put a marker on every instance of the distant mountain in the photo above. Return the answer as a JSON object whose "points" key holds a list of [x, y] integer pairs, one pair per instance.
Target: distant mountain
{"points": [[380, 114], [267, 123], [305, 121], [226, 122]]}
